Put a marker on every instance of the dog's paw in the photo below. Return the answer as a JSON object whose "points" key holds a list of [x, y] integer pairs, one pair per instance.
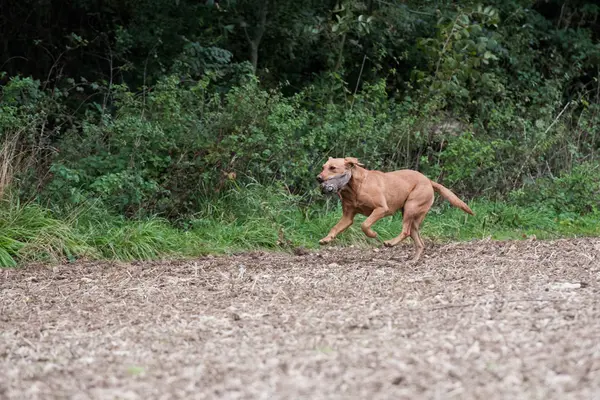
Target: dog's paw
{"points": [[417, 258], [325, 240], [414, 261], [388, 243]]}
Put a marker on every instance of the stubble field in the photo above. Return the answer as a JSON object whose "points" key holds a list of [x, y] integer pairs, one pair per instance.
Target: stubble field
{"points": [[493, 320]]}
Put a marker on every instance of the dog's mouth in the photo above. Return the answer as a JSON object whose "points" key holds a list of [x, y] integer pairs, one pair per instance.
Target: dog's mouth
{"points": [[336, 183]]}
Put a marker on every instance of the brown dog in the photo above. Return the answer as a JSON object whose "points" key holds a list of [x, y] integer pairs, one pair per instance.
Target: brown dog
{"points": [[377, 194]]}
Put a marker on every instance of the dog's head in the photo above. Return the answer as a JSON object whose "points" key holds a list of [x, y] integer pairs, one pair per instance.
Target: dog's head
{"points": [[336, 173]]}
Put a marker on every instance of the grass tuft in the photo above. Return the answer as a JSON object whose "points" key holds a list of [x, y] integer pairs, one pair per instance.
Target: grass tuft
{"points": [[29, 232]]}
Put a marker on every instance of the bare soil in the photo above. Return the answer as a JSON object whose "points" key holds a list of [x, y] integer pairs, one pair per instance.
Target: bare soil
{"points": [[480, 320]]}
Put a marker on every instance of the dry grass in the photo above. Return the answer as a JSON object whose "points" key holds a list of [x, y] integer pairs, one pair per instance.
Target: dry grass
{"points": [[480, 320], [8, 153], [16, 157]]}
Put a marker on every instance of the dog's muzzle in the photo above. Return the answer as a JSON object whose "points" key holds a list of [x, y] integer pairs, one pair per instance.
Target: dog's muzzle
{"points": [[335, 183]]}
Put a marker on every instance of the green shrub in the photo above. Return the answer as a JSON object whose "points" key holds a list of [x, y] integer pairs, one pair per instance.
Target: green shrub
{"points": [[574, 192]]}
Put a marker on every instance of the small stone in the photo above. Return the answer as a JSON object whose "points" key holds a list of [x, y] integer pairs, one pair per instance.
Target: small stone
{"points": [[300, 251], [567, 285], [397, 380]]}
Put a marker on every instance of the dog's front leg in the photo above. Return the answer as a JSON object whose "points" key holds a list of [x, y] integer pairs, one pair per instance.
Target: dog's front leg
{"points": [[344, 223], [375, 216]]}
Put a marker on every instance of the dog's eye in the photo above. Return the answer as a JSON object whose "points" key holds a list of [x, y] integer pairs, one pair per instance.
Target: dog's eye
{"points": [[332, 168]]}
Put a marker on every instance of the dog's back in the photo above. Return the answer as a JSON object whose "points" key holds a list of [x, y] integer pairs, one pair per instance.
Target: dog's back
{"points": [[399, 186]]}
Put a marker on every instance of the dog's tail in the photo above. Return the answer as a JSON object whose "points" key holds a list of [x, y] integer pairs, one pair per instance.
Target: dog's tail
{"points": [[451, 197]]}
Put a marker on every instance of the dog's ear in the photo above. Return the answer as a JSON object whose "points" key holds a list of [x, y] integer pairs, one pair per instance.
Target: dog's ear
{"points": [[352, 161]]}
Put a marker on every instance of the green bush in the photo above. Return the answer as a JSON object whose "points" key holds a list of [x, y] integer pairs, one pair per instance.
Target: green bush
{"points": [[573, 192], [485, 98], [181, 146]]}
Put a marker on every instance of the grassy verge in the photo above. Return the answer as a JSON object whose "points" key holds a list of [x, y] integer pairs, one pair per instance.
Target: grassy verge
{"points": [[253, 218]]}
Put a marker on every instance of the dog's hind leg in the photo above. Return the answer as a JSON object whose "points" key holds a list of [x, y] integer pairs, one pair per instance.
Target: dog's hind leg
{"points": [[414, 213], [407, 222], [421, 213], [419, 245], [416, 236]]}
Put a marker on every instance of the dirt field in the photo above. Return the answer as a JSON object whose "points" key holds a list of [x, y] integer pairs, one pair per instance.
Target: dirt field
{"points": [[493, 320]]}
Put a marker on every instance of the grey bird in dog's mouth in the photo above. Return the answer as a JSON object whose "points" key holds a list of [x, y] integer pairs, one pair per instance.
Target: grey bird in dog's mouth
{"points": [[336, 183]]}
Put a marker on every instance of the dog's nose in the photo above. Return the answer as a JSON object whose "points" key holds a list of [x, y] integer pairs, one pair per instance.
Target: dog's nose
{"points": [[319, 179]]}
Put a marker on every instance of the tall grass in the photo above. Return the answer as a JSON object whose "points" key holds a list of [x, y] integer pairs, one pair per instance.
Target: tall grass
{"points": [[252, 217], [29, 232], [257, 216]]}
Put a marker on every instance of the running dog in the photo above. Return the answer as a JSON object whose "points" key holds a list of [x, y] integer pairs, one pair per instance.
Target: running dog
{"points": [[377, 194]]}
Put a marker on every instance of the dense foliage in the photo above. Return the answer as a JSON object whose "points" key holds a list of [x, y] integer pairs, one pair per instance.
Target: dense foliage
{"points": [[165, 106]]}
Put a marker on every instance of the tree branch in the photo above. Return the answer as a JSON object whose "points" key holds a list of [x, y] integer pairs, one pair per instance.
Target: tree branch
{"points": [[254, 42]]}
